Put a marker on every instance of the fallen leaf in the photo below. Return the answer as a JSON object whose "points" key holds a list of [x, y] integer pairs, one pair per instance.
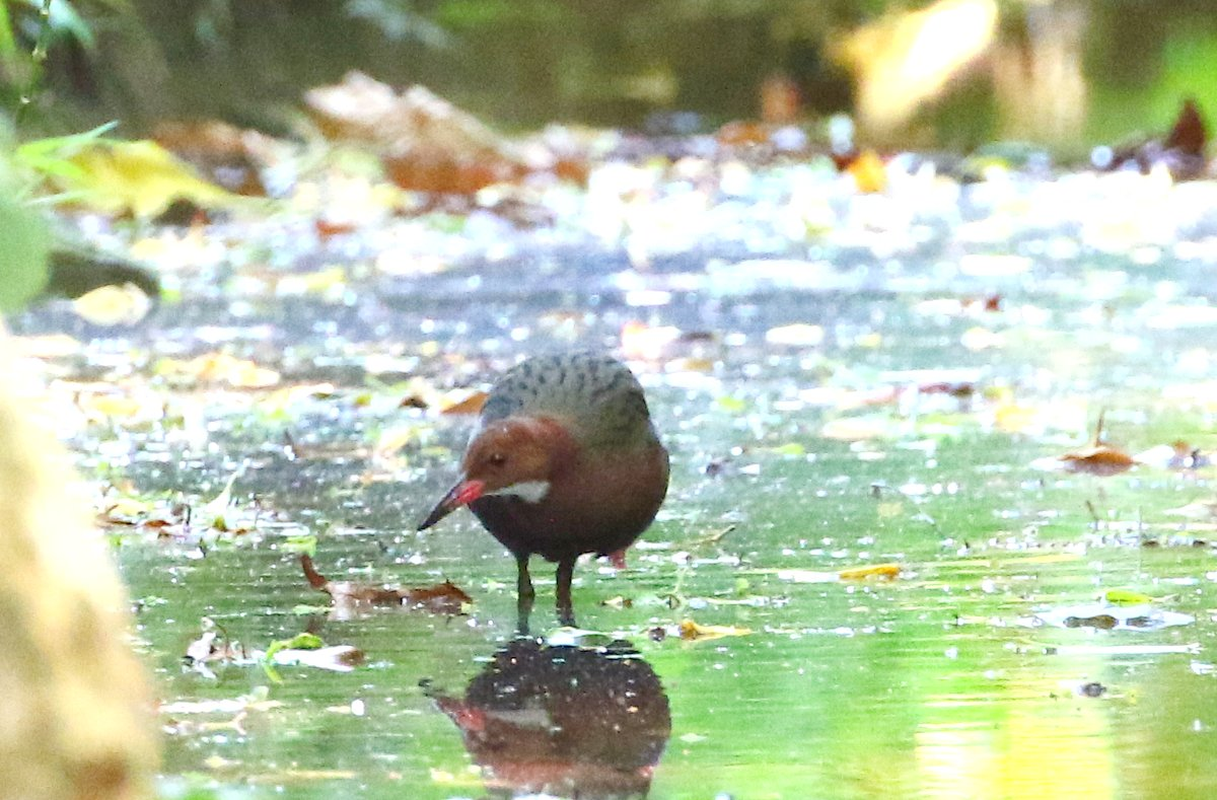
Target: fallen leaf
{"points": [[113, 305], [1189, 134], [691, 631], [140, 177], [868, 172], [228, 155], [1125, 597], [220, 368], [885, 571], [442, 598], [1099, 460], [336, 658]]}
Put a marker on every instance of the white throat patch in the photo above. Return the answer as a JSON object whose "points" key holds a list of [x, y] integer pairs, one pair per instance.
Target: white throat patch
{"points": [[528, 491]]}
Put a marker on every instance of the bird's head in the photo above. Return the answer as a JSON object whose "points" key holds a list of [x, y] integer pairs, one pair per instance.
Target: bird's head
{"points": [[513, 457]]}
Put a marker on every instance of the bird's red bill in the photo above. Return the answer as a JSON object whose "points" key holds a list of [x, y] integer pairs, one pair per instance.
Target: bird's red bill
{"points": [[464, 493]]}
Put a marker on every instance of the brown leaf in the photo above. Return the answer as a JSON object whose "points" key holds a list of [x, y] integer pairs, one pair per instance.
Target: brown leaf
{"points": [[742, 133], [780, 99], [442, 598], [1100, 460], [1190, 134], [226, 154], [469, 403], [428, 144]]}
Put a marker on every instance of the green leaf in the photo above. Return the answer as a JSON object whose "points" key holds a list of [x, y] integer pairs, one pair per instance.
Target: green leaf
{"points": [[300, 544], [23, 258], [301, 641], [1126, 597]]}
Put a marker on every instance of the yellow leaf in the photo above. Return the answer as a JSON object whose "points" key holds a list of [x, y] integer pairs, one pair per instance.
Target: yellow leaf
{"points": [[691, 631], [141, 177], [1013, 418], [869, 174], [885, 571], [113, 305]]}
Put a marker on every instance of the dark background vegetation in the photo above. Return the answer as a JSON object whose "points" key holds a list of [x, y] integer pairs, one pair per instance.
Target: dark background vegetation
{"points": [[523, 63]]}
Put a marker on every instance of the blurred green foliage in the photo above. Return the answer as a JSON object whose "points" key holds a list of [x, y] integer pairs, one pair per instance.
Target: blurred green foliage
{"points": [[23, 258]]}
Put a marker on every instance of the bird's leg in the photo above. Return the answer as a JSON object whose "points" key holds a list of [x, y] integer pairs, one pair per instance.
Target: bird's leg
{"points": [[524, 594], [566, 611]]}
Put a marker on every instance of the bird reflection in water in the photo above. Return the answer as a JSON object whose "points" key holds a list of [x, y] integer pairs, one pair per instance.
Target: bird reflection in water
{"points": [[570, 721]]}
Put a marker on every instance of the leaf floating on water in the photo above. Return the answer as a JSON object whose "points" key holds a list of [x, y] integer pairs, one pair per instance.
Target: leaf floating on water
{"points": [[1100, 460], [301, 641], [885, 571], [442, 598], [336, 658], [113, 305], [1126, 597], [691, 631]]}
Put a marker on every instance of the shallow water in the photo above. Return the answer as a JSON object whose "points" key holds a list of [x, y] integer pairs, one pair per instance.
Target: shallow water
{"points": [[914, 430]]}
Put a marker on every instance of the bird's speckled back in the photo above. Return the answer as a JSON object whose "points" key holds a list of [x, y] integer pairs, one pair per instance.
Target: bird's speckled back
{"points": [[598, 395]]}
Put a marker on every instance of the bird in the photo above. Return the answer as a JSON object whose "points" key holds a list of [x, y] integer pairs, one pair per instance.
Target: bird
{"points": [[564, 460]]}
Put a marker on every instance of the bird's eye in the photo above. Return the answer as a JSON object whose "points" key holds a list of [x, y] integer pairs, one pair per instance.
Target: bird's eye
{"points": [[497, 459]]}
